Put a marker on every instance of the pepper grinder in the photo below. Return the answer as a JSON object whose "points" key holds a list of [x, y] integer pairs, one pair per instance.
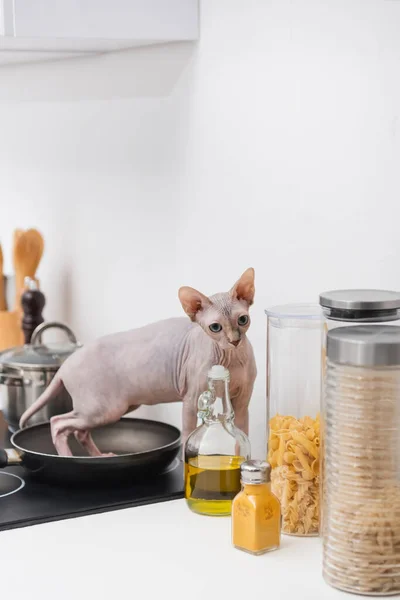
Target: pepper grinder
{"points": [[33, 302]]}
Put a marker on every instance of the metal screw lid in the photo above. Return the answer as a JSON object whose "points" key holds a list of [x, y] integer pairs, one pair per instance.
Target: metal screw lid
{"points": [[362, 299], [364, 345], [255, 471]]}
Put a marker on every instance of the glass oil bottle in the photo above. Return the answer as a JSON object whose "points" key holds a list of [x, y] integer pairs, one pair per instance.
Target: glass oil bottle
{"points": [[214, 451]]}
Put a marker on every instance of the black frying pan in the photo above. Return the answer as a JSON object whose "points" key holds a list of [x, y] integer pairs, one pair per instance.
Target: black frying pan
{"points": [[143, 447]]}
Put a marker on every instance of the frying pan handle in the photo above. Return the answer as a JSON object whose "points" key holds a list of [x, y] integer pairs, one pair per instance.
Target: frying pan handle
{"points": [[36, 339], [10, 457]]}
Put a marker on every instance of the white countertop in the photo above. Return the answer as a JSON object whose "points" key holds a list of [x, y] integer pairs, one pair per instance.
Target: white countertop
{"points": [[160, 550]]}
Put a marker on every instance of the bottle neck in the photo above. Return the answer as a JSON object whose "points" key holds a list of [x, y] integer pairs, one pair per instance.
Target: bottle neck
{"points": [[219, 407]]}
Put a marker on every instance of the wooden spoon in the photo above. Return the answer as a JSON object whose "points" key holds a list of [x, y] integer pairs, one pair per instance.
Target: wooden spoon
{"points": [[27, 253], [36, 246], [16, 235], [3, 305]]}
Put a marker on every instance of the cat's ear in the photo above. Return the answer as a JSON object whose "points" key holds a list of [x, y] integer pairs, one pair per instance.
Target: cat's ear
{"points": [[244, 287], [192, 301]]}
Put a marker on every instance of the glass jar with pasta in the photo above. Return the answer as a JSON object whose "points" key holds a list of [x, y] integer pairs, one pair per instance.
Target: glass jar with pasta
{"points": [[294, 353]]}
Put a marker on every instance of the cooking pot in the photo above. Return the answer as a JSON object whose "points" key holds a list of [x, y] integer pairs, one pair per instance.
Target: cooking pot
{"points": [[26, 371]]}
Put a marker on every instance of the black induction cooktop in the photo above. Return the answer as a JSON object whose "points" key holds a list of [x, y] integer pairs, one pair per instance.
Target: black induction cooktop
{"points": [[25, 501]]}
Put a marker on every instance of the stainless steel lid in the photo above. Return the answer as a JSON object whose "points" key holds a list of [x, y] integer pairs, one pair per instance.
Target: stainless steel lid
{"points": [[364, 345], [38, 356], [360, 299], [255, 471]]}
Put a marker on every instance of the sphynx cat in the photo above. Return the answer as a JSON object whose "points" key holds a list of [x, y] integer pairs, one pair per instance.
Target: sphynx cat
{"points": [[165, 361]]}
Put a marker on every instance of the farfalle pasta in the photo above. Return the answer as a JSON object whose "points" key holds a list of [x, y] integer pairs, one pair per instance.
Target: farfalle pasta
{"points": [[293, 453]]}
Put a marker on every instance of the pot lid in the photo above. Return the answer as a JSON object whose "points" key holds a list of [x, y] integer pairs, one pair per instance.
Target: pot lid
{"points": [[47, 356], [38, 355]]}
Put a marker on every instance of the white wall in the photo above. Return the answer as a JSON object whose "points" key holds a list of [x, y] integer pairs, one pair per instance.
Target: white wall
{"points": [[274, 143]]}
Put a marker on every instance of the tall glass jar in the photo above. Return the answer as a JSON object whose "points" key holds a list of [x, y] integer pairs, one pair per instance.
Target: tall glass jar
{"points": [[293, 404], [361, 500]]}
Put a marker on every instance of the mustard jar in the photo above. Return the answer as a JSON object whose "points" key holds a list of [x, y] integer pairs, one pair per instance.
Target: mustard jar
{"points": [[256, 511]]}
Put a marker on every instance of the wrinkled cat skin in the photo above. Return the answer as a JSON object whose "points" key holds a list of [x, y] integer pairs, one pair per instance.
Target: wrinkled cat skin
{"points": [[165, 361]]}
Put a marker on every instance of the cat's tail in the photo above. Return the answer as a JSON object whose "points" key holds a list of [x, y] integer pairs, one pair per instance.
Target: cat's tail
{"points": [[48, 394]]}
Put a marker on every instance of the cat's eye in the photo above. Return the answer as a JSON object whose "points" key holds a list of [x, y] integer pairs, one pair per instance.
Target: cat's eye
{"points": [[215, 327], [243, 320]]}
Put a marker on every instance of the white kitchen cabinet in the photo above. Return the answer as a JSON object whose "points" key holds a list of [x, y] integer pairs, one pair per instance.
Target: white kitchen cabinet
{"points": [[40, 29]]}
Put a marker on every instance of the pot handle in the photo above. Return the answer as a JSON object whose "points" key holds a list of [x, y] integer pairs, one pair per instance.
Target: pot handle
{"points": [[10, 457], [36, 339], [6, 377], [13, 373]]}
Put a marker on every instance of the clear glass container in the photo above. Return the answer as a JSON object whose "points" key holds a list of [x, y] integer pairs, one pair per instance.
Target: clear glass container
{"points": [[214, 451], [361, 479], [293, 405]]}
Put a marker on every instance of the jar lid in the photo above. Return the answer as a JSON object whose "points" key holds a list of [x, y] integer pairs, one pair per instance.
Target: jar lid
{"points": [[295, 311], [362, 299], [255, 471], [364, 345]]}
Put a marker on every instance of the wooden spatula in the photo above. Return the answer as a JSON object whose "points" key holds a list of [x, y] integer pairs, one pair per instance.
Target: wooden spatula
{"points": [[3, 304], [27, 253], [16, 235], [36, 247]]}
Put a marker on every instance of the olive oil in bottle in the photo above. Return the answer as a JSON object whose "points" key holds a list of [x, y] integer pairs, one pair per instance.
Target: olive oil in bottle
{"points": [[212, 482], [214, 451]]}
